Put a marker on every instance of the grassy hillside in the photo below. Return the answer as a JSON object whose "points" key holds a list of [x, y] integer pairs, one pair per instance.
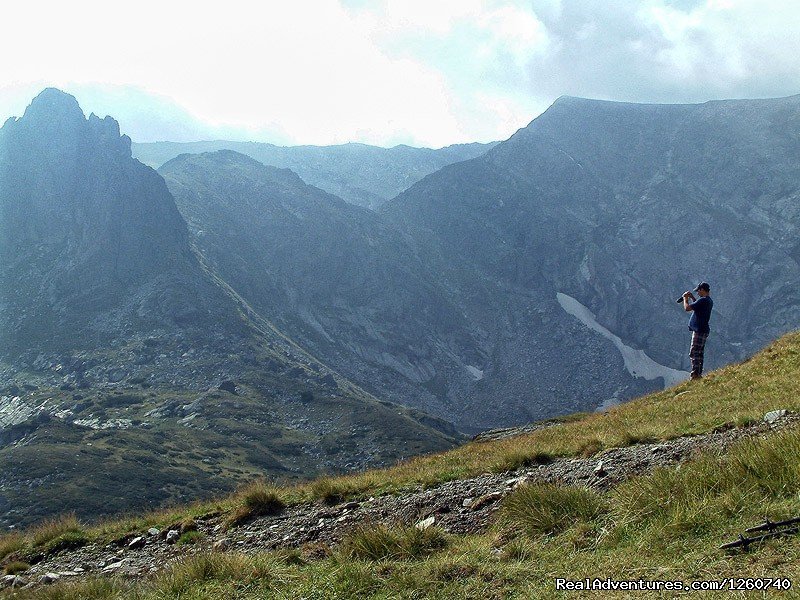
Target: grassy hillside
{"points": [[666, 525]]}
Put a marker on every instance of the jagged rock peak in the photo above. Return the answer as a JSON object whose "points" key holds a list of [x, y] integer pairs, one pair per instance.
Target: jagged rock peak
{"points": [[52, 104], [54, 118]]}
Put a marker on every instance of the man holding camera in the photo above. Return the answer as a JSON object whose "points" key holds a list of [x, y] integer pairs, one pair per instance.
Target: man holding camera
{"points": [[698, 324]]}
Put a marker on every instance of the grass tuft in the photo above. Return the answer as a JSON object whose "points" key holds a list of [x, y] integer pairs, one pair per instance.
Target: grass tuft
{"points": [[11, 543], [259, 499], [544, 509], [15, 567], [518, 549], [61, 533], [184, 576], [380, 542], [519, 458], [331, 491], [188, 525], [190, 537]]}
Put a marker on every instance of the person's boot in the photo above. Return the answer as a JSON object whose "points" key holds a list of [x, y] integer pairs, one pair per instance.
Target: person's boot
{"points": [[696, 376]]}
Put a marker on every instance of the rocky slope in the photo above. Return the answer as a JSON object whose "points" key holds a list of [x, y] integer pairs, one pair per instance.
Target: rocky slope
{"points": [[461, 507], [126, 362], [364, 175], [334, 277], [537, 279], [569, 243]]}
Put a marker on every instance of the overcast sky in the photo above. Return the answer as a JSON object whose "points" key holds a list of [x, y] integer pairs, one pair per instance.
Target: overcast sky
{"points": [[422, 72]]}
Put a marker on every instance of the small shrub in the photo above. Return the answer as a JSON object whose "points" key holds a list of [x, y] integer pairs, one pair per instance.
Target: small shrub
{"points": [[384, 543], [15, 567], [190, 537], [257, 500], [547, 509]]}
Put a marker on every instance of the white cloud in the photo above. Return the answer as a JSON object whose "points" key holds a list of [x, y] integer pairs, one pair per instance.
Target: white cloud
{"points": [[671, 51], [428, 72], [304, 65]]}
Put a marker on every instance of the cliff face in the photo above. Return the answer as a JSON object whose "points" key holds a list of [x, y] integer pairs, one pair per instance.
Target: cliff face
{"points": [[91, 242]]}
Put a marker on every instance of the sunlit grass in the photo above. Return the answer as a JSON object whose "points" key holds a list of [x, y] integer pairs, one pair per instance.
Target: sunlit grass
{"points": [[258, 499], [674, 516], [379, 542]]}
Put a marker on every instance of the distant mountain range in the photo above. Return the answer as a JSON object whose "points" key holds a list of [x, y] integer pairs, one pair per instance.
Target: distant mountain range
{"points": [[223, 317], [132, 375], [364, 175], [537, 279]]}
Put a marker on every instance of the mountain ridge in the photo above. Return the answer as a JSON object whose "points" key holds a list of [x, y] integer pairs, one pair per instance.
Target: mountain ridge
{"points": [[125, 357], [360, 174]]}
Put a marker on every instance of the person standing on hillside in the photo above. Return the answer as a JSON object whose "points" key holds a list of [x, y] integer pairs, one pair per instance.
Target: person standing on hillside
{"points": [[698, 324]]}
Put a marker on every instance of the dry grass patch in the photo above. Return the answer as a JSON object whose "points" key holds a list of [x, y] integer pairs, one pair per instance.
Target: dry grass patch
{"points": [[712, 490], [545, 509], [16, 566], [258, 499], [62, 533], [11, 543], [189, 574], [738, 394], [333, 490], [380, 542]]}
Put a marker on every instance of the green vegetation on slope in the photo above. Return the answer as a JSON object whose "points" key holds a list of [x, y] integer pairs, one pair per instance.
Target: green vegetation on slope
{"points": [[141, 446], [667, 525]]}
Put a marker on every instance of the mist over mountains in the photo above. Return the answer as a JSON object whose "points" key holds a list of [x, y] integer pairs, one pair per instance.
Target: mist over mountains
{"points": [[363, 175], [223, 304]]}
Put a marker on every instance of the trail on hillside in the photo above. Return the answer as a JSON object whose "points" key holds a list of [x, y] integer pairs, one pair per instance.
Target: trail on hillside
{"points": [[464, 506]]}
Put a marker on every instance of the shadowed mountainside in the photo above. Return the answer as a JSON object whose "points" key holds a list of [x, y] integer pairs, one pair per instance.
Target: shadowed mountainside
{"points": [[570, 241], [132, 375]]}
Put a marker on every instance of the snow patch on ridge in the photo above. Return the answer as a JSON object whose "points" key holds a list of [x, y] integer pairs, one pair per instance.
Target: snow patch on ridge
{"points": [[477, 374], [637, 362]]}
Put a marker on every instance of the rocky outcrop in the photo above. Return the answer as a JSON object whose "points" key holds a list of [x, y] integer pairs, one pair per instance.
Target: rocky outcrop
{"points": [[92, 246]]}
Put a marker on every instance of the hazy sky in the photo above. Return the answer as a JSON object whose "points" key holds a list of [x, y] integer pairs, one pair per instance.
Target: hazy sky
{"points": [[430, 72]]}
